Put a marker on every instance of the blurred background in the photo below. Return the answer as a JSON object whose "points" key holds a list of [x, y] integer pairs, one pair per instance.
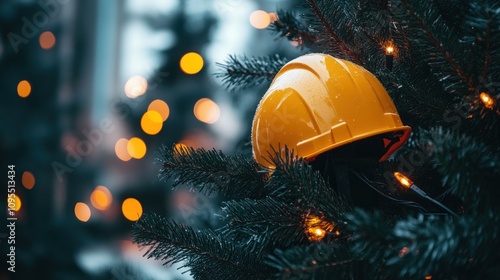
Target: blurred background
{"points": [[90, 92]]}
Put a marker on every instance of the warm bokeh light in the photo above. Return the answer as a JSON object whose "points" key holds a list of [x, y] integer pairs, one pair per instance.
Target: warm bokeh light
{"points": [[13, 202], [82, 211], [207, 111], [273, 17], [405, 181], [191, 63], [28, 180], [101, 198], [23, 89], [260, 19], [121, 149], [132, 209], [487, 100], [161, 107], [428, 277], [151, 122], [136, 148], [47, 40], [136, 86]]}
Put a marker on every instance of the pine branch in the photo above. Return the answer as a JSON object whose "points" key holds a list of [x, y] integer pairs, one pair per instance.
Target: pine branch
{"points": [[330, 19], [438, 44], [416, 247], [468, 166], [266, 223], [294, 179], [316, 261], [289, 26], [483, 21], [204, 252], [212, 171], [240, 72]]}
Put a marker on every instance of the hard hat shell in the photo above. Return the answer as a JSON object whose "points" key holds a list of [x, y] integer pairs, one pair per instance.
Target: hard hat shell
{"points": [[317, 103]]}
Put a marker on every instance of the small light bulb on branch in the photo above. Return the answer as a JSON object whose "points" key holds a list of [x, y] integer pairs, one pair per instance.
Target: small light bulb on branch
{"points": [[487, 100], [389, 56], [317, 228], [407, 183], [403, 180]]}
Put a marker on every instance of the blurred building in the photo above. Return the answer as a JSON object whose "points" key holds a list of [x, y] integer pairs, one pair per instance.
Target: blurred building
{"points": [[78, 80]]}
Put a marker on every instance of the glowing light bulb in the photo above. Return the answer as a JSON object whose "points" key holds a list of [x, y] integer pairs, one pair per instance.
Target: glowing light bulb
{"points": [[389, 50], [316, 234], [487, 100], [316, 228], [403, 180]]}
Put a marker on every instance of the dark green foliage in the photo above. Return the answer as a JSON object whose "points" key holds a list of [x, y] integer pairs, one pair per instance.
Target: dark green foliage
{"points": [[250, 220], [294, 180], [240, 72], [204, 252], [416, 246], [315, 261], [470, 168], [231, 176], [291, 27]]}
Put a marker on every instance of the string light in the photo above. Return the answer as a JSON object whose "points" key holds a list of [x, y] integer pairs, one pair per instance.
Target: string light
{"points": [[389, 55], [317, 228], [487, 100], [407, 183]]}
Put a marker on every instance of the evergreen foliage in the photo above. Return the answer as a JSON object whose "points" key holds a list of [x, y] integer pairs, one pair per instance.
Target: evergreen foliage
{"points": [[447, 54]]}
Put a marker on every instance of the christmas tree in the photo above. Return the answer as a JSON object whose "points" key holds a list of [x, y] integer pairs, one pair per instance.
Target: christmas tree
{"points": [[427, 212]]}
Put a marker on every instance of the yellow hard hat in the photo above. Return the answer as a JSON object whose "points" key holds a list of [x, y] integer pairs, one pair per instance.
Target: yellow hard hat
{"points": [[317, 103]]}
